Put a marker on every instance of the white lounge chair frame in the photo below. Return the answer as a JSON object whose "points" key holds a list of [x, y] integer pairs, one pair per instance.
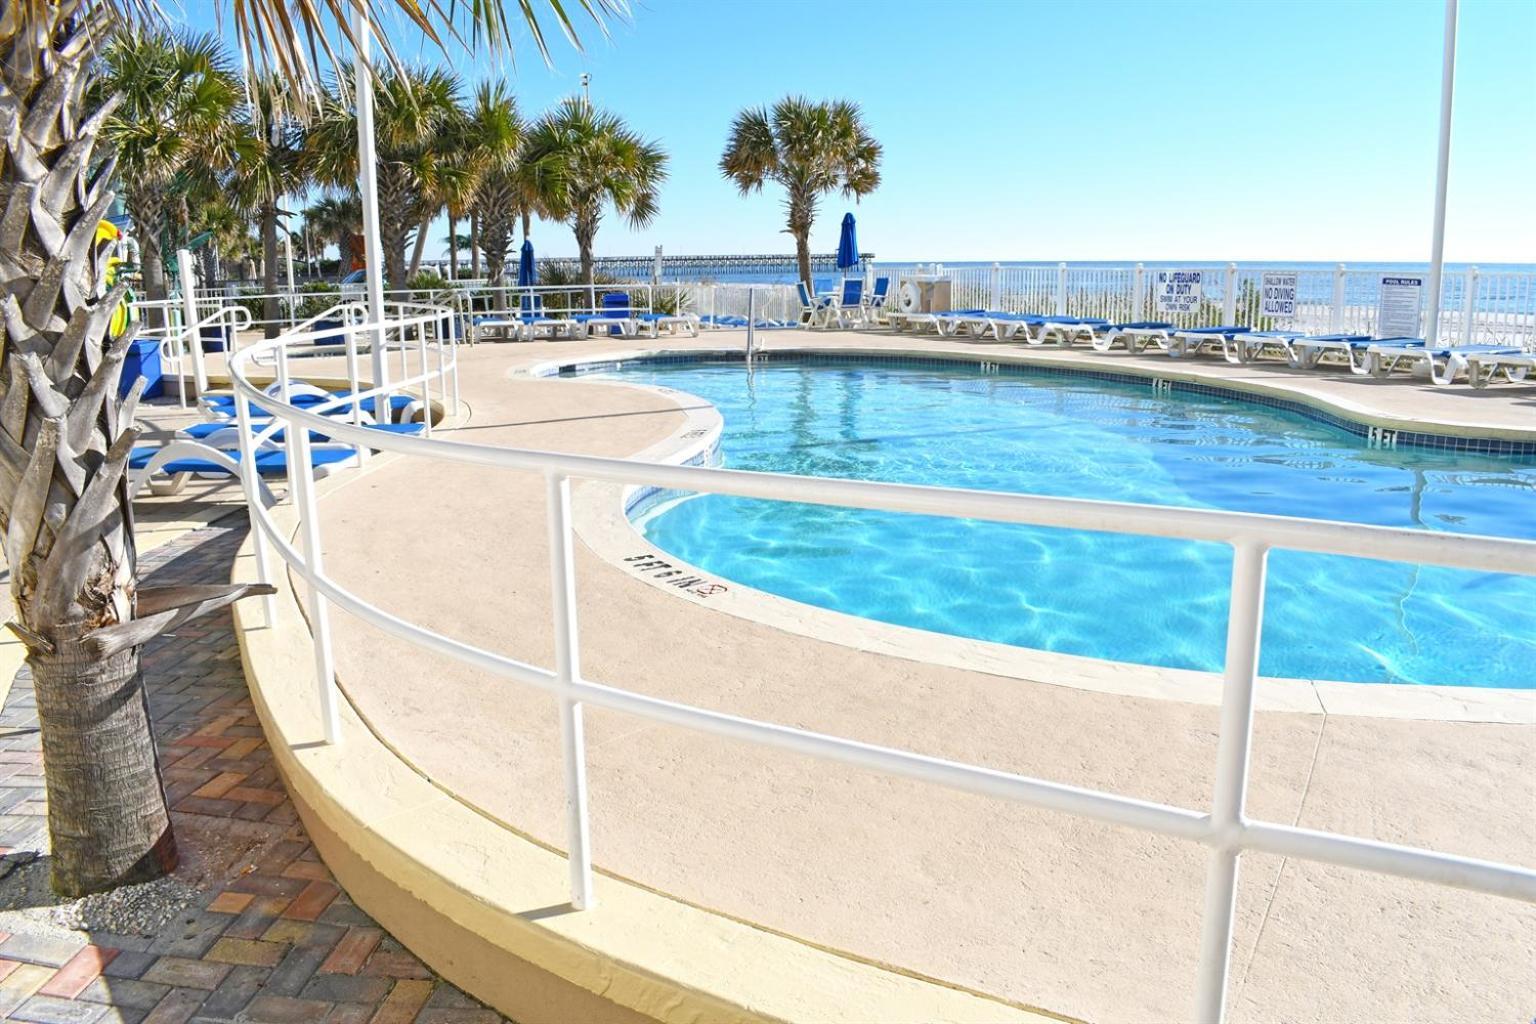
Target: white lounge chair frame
{"points": [[1133, 339]]}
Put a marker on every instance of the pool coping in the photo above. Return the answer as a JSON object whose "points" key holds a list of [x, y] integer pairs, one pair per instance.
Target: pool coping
{"points": [[486, 906], [602, 517]]}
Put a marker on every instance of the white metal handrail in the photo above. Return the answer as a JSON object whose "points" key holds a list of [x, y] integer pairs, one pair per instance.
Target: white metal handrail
{"points": [[1225, 828], [174, 345]]}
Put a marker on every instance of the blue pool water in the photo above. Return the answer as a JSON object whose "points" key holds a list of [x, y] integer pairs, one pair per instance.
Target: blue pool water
{"points": [[1147, 600]]}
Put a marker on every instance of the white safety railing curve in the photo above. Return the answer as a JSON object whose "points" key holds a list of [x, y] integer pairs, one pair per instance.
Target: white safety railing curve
{"points": [[1225, 828]]}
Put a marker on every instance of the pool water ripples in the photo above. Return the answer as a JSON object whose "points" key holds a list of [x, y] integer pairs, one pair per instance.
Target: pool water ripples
{"points": [[1148, 600]]}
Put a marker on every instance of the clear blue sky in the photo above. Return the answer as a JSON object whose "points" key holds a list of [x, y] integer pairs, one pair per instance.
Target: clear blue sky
{"points": [[1124, 130]]}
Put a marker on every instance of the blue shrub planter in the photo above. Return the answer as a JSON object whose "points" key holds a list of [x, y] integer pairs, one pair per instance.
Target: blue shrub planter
{"points": [[215, 337], [143, 360], [329, 332]]}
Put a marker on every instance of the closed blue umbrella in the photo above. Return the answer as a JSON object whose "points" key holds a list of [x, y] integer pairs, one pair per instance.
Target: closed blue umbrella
{"points": [[527, 273], [847, 245]]}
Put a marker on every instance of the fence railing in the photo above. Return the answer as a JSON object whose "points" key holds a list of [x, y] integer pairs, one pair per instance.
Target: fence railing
{"points": [[1224, 827], [1476, 306]]}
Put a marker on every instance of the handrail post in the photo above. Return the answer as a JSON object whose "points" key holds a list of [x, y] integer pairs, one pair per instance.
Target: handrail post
{"points": [[301, 480], [1229, 297], [1469, 305], [562, 572], [1336, 318], [189, 302], [426, 377], [248, 483], [285, 395], [751, 321], [1245, 621], [349, 322]]}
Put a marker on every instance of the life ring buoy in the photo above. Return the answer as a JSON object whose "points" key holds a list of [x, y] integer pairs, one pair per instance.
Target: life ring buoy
{"points": [[908, 299]]}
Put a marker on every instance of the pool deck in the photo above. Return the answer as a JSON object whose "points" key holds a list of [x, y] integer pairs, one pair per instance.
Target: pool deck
{"points": [[1082, 919]]}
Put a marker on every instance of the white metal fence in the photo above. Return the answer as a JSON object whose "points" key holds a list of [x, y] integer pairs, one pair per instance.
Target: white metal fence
{"points": [[1476, 306], [1224, 827]]}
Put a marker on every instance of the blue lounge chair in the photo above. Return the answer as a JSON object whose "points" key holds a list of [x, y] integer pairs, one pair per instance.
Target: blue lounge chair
{"points": [[1066, 329], [404, 407], [1308, 351], [1191, 341], [1133, 336], [1446, 362], [227, 435], [1483, 368], [167, 468], [847, 307], [616, 318], [652, 323], [946, 322], [815, 310], [1300, 349], [874, 302]]}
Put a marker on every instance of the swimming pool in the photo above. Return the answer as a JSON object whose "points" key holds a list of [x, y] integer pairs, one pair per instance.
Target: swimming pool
{"points": [[1137, 599]]}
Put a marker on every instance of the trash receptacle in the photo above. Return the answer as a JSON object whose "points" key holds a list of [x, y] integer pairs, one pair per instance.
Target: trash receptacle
{"points": [[143, 360]]}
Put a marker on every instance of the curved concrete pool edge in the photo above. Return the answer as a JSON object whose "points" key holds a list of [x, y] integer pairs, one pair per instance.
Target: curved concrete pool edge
{"points": [[603, 522], [488, 908]]}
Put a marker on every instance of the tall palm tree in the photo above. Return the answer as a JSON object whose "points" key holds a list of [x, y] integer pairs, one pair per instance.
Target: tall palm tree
{"points": [[65, 435], [171, 127], [338, 218], [811, 149], [591, 160], [417, 122], [270, 164], [497, 131]]}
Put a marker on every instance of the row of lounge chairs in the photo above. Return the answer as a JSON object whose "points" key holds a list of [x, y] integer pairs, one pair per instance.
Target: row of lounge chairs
{"points": [[1479, 365], [211, 449], [618, 317]]}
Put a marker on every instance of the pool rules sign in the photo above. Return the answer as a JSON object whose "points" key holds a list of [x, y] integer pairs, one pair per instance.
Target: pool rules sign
{"points": [[1397, 315], [1277, 295]]}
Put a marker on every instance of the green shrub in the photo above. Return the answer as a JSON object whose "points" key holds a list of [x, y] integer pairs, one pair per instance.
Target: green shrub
{"points": [[320, 296]]}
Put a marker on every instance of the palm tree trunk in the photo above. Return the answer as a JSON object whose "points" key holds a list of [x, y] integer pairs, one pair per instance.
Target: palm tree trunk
{"points": [[802, 214], [586, 233], [453, 246], [421, 247], [65, 440], [73, 568], [474, 245], [269, 305], [148, 212], [96, 742]]}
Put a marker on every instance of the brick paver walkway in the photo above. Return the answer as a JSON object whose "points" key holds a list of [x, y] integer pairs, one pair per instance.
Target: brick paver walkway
{"points": [[271, 937]]}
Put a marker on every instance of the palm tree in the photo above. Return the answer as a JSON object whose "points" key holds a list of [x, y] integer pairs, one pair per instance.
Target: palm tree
{"points": [[456, 241], [585, 160], [269, 165], [169, 130], [65, 435], [810, 149], [418, 121], [338, 218], [497, 129]]}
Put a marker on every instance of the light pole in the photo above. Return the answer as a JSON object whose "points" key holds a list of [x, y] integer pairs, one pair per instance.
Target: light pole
{"points": [[368, 188], [1437, 243], [586, 89]]}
